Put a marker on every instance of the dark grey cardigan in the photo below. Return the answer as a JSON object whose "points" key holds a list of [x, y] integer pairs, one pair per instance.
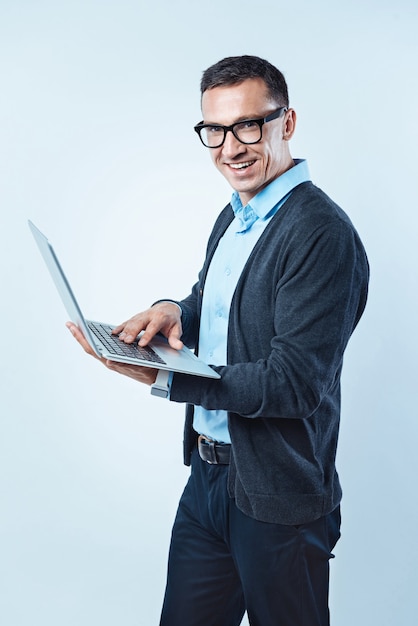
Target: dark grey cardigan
{"points": [[298, 300]]}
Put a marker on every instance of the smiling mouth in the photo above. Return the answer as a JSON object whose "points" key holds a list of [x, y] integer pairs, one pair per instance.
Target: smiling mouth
{"points": [[240, 166]]}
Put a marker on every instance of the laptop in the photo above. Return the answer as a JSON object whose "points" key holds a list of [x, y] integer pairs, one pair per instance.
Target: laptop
{"points": [[157, 354]]}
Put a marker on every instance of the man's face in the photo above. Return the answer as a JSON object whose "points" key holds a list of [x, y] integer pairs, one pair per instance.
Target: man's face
{"points": [[249, 168]]}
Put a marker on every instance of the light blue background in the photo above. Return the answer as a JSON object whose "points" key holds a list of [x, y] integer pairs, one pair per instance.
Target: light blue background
{"points": [[97, 104]]}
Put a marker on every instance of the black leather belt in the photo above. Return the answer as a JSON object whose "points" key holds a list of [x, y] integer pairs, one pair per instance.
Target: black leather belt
{"points": [[213, 452]]}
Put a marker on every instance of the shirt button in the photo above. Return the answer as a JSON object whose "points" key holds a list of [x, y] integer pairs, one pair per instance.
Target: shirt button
{"points": [[228, 271]]}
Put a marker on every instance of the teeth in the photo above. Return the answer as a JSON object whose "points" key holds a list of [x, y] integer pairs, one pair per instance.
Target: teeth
{"points": [[240, 166]]}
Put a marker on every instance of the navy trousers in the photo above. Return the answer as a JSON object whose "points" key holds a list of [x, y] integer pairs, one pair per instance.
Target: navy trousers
{"points": [[223, 563]]}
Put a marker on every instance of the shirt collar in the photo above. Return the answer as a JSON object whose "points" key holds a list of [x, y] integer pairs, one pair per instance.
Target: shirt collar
{"points": [[270, 197]]}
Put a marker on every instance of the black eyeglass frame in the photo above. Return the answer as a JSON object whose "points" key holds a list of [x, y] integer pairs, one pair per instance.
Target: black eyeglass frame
{"points": [[260, 121]]}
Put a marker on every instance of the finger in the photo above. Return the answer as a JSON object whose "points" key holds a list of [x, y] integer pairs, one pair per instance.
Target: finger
{"points": [[174, 337], [78, 335], [160, 323], [129, 331], [118, 329], [149, 333]]}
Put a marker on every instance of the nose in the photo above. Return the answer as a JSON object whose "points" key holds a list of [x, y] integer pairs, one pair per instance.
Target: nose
{"points": [[232, 146]]}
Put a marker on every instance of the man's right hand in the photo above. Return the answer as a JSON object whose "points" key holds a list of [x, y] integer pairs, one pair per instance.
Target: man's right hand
{"points": [[164, 317]]}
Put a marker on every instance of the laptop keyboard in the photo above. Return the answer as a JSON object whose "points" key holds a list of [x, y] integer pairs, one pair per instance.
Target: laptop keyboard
{"points": [[117, 347]]}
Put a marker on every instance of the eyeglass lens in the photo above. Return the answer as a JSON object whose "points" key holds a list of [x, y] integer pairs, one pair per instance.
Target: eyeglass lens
{"points": [[246, 132]]}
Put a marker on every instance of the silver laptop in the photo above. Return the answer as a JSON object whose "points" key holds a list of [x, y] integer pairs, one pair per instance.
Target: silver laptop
{"points": [[157, 354]]}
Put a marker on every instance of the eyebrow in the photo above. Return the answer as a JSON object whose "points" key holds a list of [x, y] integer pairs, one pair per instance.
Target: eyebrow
{"points": [[243, 118]]}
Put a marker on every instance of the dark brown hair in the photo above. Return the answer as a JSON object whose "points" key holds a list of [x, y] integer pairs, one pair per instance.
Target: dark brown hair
{"points": [[234, 70]]}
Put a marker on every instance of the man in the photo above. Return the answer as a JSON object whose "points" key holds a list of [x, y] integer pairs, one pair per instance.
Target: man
{"points": [[282, 288]]}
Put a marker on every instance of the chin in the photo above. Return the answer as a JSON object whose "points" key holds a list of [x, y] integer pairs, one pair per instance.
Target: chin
{"points": [[241, 184]]}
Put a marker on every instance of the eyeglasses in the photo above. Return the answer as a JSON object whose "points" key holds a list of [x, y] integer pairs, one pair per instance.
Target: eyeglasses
{"points": [[247, 131]]}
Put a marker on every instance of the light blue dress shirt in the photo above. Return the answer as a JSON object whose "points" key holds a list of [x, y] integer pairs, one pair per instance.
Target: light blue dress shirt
{"points": [[232, 253]]}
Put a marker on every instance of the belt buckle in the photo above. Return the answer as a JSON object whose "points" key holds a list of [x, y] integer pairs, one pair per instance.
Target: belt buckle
{"points": [[211, 446]]}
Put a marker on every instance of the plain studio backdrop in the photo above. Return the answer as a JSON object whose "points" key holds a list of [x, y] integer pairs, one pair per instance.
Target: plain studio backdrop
{"points": [[97, 107]]}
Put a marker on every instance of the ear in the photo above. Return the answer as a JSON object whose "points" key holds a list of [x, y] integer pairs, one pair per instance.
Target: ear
{"points": [[289, 124]]}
